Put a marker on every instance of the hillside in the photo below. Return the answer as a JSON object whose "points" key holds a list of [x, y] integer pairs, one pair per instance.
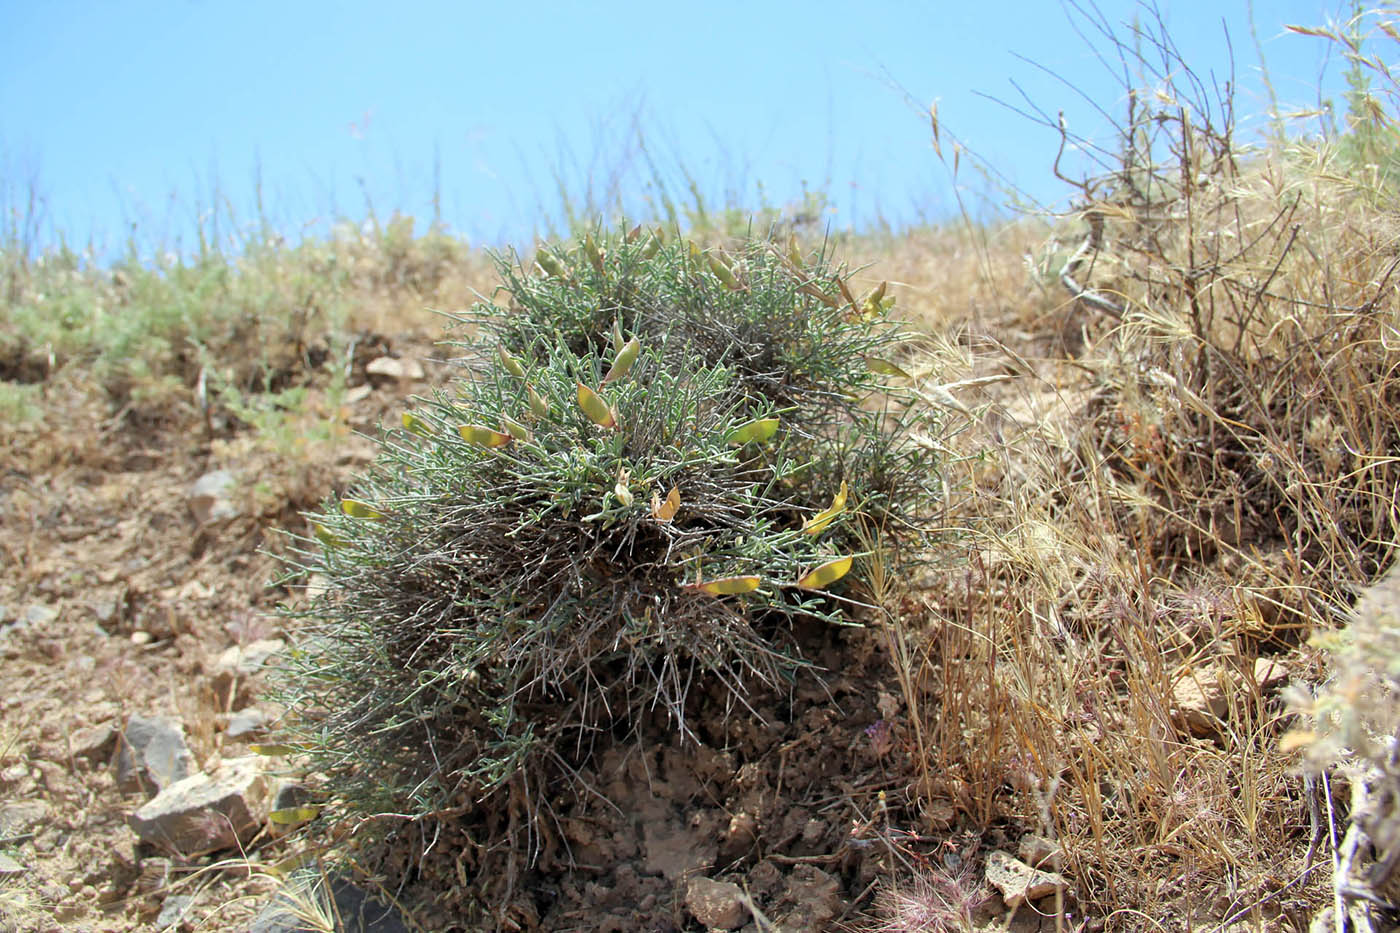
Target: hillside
{"points": [[1166, 423]]}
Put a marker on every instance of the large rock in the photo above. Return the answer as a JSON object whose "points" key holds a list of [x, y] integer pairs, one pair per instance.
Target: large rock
{"points": [[738, 837], [673, 850], [1038, 851], [205, 813], [17, 818], [817, 899], [151, 752], [173, 911]]}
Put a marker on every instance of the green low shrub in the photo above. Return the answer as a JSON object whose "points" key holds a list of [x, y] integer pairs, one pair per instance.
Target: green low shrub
{"points": [[611, 507]]}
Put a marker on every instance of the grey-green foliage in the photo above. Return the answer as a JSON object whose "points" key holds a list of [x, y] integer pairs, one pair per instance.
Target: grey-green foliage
{"points": [[514, 586], [789, 334]]}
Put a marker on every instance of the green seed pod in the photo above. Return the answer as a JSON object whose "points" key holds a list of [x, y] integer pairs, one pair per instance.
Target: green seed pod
{"points": [[597, 410], [510, 363], [515, 429], [357, 509], [722, 271], [538, 406], [794, 253], [329, 538], [549, 264], [622, 365], [595, 255], [758, 430], [884, 367]]}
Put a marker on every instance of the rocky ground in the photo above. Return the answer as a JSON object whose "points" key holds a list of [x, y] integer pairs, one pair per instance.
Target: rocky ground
{"points": [[136, 622]]}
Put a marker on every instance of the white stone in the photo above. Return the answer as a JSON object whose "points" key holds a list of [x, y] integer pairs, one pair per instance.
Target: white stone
{"points": [[1017, 882], [719, 905], [395, 369], [247, 722], [210, 497], [236, 664]]}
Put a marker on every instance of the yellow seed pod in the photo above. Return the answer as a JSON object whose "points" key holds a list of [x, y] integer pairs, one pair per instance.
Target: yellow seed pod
{"points": [[754, 431], [817, 523], [723, 272], [482, 436], [416, 425], [276, 751], [357, 509], [725, 586], [290, 815], [873, 304], [825, 575]]}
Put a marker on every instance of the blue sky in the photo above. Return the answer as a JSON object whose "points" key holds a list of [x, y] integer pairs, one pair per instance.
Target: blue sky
{"points": [[145, 113]]}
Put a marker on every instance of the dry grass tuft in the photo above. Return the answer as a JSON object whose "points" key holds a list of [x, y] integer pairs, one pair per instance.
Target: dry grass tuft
{"points": [[1190, 469]]}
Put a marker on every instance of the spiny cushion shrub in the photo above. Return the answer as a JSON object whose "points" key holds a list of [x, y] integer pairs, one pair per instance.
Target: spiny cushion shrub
{"points": [[788, 325], [589, 525]]}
